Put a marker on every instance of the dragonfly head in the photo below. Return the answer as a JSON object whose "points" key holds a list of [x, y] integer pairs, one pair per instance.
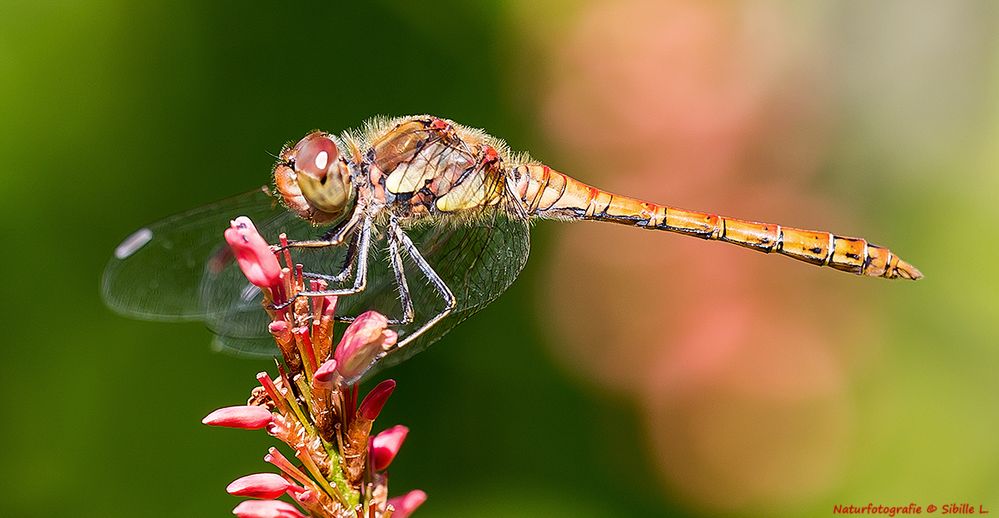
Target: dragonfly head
{"points": [[314, 180]]}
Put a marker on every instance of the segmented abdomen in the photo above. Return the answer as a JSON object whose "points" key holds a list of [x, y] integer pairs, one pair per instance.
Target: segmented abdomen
{"points": [[546, 193]]}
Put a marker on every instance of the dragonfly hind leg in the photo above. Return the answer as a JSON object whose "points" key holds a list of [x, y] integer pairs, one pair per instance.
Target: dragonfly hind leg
{"points": [[405, 298], [408, 314], [438, 283]]}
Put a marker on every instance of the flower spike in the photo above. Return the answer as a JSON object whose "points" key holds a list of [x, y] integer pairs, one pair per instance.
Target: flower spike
{"points": [[338, 468]]}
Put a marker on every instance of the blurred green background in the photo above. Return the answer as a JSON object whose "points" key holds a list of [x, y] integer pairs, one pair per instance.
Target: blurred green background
{"points": [[734, 384]]}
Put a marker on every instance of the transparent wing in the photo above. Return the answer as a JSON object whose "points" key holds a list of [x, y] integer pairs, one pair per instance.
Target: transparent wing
{"points": [[183, 271], [158, 272], [478, 260], [239, 320], [478, 253]]}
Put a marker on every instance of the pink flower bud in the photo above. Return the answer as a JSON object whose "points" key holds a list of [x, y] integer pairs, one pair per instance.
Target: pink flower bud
{"points": [[385, 446], [305, 497], [260, 485], [266, 509], [248, 417], [325, 374], [329, 306], [362, 342], [405, 505], [278, 327], [253, 254], [375, 400]]}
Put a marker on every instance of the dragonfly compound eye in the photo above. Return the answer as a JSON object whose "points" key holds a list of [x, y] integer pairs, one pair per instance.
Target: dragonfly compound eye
{"points": [[314, 155], [322, 178]]}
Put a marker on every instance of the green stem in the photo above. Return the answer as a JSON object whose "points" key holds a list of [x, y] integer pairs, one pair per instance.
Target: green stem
{"points": [[337, 477]]}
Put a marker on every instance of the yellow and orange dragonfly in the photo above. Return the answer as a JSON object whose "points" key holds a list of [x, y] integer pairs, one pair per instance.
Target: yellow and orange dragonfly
{"points": [[409, 196]]}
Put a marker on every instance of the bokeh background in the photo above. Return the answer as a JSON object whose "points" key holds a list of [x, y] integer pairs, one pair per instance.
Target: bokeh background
{"points": [[626, 373]]}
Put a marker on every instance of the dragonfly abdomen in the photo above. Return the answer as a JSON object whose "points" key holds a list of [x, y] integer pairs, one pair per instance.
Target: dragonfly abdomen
{"points": [[550, 194]]}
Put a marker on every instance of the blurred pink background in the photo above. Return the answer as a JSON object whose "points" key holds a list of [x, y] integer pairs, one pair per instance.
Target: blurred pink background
{"points": [[745, 368]]}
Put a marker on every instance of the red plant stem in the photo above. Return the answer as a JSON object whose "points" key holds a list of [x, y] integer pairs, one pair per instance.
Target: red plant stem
{"points": [[304, 340], [350, 404], [278, 460], [284, 245], [272, 391]]}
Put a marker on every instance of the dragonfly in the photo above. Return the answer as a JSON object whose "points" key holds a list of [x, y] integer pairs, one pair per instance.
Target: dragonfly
{"points": [[418, 217]]}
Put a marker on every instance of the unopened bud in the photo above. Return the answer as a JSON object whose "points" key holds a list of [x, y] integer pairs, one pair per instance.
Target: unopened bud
{"points": [[248, 417]]}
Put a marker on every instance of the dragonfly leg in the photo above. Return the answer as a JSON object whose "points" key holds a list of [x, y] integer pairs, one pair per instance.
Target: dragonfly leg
{"points": [[395, 256], [400, 281], [348, 264], [360, 278], [408, 312], [333, 237], [435, 279]]}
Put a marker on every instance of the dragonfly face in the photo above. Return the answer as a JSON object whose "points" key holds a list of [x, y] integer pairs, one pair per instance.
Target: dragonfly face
{"points": [[314, 180], [413, 198]]}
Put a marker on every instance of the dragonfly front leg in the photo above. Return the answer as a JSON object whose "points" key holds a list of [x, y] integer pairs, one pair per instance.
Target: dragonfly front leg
{"points": [[360, 278], [333, 237], [348, 265], [431, 275]]}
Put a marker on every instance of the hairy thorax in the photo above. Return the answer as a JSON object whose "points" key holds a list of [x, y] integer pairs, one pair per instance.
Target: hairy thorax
{"points": [[426, 166]]}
